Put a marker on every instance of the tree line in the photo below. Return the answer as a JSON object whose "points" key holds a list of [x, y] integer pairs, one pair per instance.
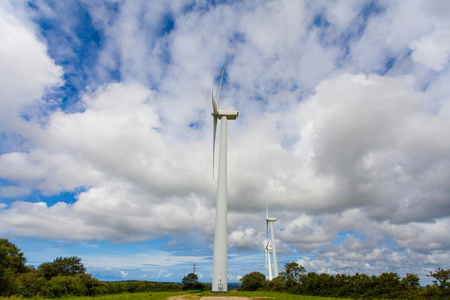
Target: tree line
{"points": [[67, 276], [64, 276], [295, 280]]}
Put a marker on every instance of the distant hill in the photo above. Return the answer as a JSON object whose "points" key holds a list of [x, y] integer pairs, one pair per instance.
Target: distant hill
{"points": [[233, 285]]}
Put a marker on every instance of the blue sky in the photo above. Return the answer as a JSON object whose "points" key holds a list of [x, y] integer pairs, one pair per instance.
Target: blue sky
{"points": [[106, 134]]}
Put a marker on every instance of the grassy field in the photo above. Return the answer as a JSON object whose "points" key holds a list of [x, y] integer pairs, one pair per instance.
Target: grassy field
{"points": [[192, 296], [273, 295]]}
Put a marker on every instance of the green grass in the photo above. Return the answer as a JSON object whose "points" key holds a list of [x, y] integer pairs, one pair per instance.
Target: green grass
{"points": [[192, 296], [124, 296], [264, 294]]}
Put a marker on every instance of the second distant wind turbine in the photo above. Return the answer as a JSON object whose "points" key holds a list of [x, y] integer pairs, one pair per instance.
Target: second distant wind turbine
{"points": [[270, 245], [220, 258]]}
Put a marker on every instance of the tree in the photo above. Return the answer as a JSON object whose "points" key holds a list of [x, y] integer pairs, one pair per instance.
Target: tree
{"points": [[292, 273], [190, 282], [388, 285], [441, 277], [252, 281], [11, 257], [411, 281], [12, 262], [67, 266]]}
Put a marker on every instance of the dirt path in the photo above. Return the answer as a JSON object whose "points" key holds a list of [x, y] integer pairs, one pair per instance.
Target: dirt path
{"points": [[224, 298], [180, 297], [184, 297]]}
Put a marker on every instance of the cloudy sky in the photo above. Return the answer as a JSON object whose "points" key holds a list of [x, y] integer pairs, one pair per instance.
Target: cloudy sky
{"points": [[344, 112]]}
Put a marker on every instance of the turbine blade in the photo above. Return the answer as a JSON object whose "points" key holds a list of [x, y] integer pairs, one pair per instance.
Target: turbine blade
{"points": [[265, 254], [214, 104], [220, 87], [214, 140], [215, 126]]}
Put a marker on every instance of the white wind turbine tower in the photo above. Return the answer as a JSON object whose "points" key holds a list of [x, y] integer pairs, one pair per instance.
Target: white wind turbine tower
{"points": [[220, 258], [270, 245]]}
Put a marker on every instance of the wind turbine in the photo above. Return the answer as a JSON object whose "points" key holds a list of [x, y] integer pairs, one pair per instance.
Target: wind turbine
{"points": [[220, 258], [267, 249], [270, 220]]}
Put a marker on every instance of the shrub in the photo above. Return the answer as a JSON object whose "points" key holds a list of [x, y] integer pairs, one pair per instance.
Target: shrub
{"points": [[7, 282], [276, 285], [56, 287], [173, 287], [104, 288], [80, 285], [252, 281], [29, 284], [131, 286]]}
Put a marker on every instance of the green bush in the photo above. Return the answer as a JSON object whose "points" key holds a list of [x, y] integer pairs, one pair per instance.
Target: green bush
{"points": [[275, 285], [90, 284], [252, 281], [80, 285], [29, 284], [104, 288], [430, 292], [131, 286], [8, 285], [56, 287], [174, 287]]}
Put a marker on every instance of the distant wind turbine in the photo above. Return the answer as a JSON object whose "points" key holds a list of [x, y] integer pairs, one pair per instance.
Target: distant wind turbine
{"points": [[270, 245], [267, 249], [220, 258]]}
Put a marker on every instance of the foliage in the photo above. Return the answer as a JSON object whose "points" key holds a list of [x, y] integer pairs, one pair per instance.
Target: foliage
{"points": [[62, 266], [29, 284], [411, 281], [59, 286], [292, 273], [190, 282], [11, 257], [442, 281], [276, 285], [7, 284], [103, 288], [12, 262], [441, 278], [67, 277], [252, 281], [388, 285]]}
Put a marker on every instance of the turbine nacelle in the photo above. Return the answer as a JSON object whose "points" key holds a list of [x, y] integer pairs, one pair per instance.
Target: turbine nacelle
{"points": [[219, 113], [271, 219], [229, 113]]}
